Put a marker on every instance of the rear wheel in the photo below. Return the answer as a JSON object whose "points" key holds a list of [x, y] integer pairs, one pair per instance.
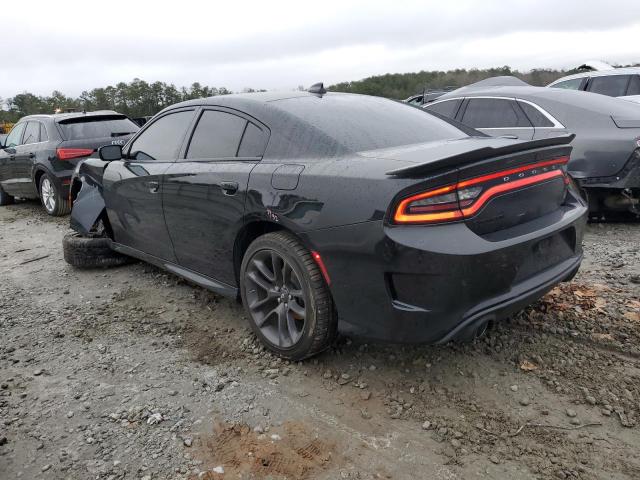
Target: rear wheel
{"points": [[51, 197], [286, 297], [91, 252], [5, 198]]}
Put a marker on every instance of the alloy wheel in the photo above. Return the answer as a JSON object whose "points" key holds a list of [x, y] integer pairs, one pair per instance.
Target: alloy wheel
{"points": [[48, 194], [275, 298]]}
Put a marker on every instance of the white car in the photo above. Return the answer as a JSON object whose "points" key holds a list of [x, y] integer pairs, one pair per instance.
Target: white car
{"points": [[617, 82]]}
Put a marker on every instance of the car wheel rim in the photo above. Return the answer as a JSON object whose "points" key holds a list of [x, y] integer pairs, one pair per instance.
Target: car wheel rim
{"points": [[275, 298], [48, 195]]}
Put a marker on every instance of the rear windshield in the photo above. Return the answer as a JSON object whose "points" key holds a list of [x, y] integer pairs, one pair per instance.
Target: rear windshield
{"points": [[97, 127], [362, 123]]}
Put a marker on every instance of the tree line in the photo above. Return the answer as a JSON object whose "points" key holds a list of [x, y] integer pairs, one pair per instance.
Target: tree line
{"points": [[139, 98], [134, 99]]}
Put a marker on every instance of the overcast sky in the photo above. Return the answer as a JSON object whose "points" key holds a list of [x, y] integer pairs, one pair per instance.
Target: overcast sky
{"points": [[79, 45]]}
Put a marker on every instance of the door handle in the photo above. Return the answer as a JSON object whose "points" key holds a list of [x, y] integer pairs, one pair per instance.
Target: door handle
{"points": [[32, 155], [153, 186], [229, 188]]}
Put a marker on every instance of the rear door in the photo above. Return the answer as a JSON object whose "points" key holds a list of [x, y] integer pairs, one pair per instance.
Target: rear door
{"points": [[204, 193], [8, 180], [23, 163], [496, 117], [133, 186]]}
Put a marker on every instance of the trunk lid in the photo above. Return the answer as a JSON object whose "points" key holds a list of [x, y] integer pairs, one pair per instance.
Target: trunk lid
{"points": [[493, 184]]}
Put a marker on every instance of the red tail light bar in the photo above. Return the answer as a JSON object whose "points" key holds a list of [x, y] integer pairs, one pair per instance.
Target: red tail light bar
{"points": [[69, 153], [464, 199]]}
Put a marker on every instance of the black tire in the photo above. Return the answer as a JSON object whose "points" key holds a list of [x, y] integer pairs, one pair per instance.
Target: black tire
{"points": [[319, 326], [91, 252], [5, 198], [52, 200]]}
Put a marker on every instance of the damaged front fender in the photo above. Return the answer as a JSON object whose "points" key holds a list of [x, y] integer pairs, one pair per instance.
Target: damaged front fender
{"points": [[86, 196]]}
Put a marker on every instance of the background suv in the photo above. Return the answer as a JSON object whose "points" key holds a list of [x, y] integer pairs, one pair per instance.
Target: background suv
{"points": [[41, 152]]}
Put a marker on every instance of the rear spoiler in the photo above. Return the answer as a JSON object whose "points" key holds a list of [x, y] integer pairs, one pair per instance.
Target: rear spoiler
{"points": [[92, 118], [478, 154]]}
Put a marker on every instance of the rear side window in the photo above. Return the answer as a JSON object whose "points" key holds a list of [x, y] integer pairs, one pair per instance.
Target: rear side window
{"points": [[254, 141], [163, 138], [15, 136], [97, 127], [217, 135], [613, 86], [447, 108], [31, 133], [634, 85], [43, 133], [536, 117], [573, 84], [493, 113]]}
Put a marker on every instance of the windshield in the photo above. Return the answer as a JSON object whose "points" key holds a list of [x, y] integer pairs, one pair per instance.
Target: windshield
{"points": [[97, 127], [361, 122]]}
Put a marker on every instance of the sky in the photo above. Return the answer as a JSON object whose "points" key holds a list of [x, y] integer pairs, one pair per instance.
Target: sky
{"points": [[72, 46]]}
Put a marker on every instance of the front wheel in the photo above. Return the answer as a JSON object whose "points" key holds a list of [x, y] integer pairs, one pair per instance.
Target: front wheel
{"points": [[286, 297], [51, 196]]}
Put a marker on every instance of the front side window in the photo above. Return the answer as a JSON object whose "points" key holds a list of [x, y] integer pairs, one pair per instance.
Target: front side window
{"points": [[15, 136], [493, 113], [163, 138], [573, 84], [447, 108], [613, 86], [217, 135], [31, 133]]}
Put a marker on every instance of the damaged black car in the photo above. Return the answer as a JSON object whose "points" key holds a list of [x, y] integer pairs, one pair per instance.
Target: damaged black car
{"points": [[327, 212]]}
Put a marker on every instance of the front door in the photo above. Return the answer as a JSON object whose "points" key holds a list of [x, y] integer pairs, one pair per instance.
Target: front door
{"points": [[8, 180], [133, 186], [24, 160], [204, 193]]}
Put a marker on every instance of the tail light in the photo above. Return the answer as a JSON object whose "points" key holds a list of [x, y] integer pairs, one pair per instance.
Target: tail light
{"points": [[69, 153], [464, 199]]}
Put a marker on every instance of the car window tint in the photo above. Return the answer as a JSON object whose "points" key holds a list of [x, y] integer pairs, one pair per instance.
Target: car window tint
{"points": [[254, 142], [536, 117], [163, 138], [634, 85], [573, 84], [97, 127], [15, 136], [367, 123], [446, 108], [613, 86], [217, 135], [31, 133], [43, 133], [492, 113]]}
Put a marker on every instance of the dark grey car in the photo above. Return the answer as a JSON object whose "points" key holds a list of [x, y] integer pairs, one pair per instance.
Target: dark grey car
{"points": [[605, 160]]}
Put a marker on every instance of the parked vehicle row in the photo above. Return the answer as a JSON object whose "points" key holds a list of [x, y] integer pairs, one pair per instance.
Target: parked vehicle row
{"points": [[605, 161], [41, 152]]}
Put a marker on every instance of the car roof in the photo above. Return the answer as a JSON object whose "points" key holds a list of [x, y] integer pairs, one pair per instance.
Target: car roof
{"points": [[599, 73], [69, 115]]}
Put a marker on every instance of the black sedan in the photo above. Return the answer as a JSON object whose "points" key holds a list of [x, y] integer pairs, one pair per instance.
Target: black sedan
{"points": [[40, 153], [335, 212], [605, 160]]}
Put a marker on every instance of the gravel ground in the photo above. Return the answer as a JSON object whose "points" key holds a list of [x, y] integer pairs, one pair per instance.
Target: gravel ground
{"points": [[131, 373]]}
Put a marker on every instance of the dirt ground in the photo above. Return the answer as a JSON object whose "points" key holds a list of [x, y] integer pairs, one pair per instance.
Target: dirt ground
{"points": [[132, 373]]}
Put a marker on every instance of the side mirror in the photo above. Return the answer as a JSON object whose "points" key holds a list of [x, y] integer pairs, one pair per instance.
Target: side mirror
{"points": [[110, 153]]}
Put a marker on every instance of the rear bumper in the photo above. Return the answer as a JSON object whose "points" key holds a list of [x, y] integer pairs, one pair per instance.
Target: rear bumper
{"points": [[628, 177], [429, 284]]}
